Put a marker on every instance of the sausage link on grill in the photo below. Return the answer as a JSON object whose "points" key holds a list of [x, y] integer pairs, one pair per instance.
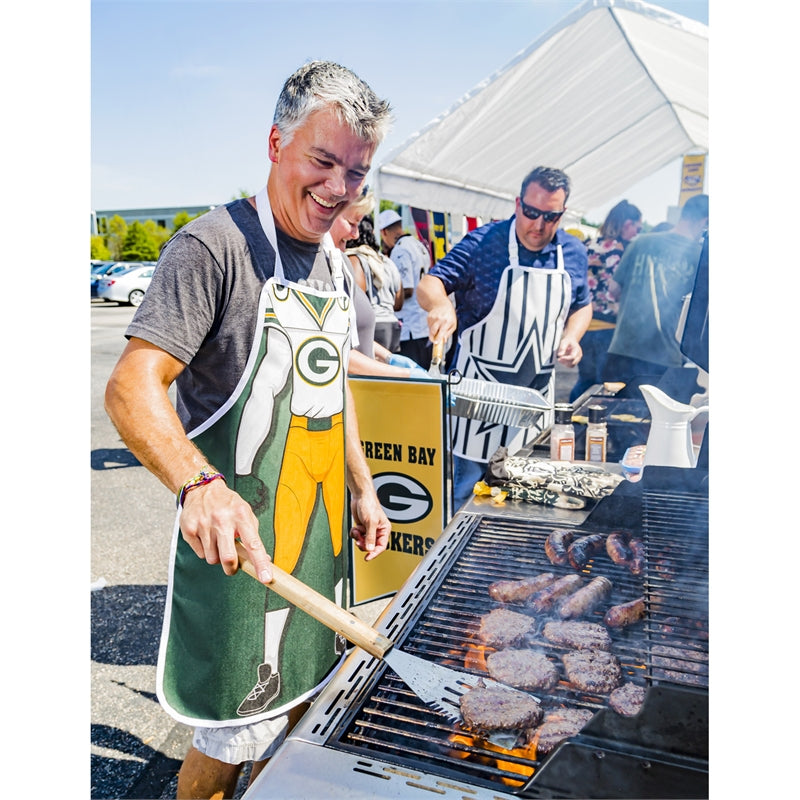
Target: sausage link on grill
{"points": [[586, 599], [582, 550]]}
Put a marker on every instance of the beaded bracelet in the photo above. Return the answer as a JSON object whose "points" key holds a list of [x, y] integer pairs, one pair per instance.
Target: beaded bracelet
{"points": [[206, 475]]}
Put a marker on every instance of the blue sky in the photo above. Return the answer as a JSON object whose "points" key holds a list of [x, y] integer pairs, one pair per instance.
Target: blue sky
{"points": [[182, 92]]}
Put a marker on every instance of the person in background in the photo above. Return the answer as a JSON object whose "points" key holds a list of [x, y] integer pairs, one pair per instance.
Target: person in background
{"points": [[248, 316], [656, 272], [521, 303], [620, 227], [662, 227], [368, 357], [412, 260], [377, 274]]}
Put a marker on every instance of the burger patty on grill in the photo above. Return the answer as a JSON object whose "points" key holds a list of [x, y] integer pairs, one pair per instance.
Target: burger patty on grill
{"points": [[627, 699], [493, 709], [558, 725], [592, 670], [503, 628], [578, 635], [524, 669]]}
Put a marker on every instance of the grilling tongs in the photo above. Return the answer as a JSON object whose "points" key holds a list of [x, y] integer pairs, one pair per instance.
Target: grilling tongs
{"points": [[438, 686]]}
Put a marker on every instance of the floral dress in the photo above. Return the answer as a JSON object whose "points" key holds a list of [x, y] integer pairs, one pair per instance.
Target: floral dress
{"points": [[604, 255]]}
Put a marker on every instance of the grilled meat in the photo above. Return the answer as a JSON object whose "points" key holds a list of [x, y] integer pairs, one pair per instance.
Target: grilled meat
{"points": [[519, 591], [677, 626], [582, 550], [592, 670], [504, 628], [625, 613], [524, 669], [636, 563], [556, 544], [627, 699], [578, 635], [617, 548], [586, 599], [546, 598], [558, 725], [491, 709]]}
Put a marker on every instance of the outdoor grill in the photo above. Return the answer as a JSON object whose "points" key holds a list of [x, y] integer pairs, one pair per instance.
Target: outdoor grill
{"points": [[368, 735]]}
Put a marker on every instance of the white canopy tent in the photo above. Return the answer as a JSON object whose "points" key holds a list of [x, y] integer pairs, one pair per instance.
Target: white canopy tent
{"points": [[614, 92]]}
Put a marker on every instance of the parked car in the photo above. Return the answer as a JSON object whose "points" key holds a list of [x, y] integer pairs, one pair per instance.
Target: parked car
{"points": [[126, 287], [101, 269]]}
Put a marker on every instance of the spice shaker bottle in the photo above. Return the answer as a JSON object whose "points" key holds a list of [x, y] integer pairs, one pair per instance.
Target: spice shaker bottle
{"points": [[596, 434], [562, 434]]}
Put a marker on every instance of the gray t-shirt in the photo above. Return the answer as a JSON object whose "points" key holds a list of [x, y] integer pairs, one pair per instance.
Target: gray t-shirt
{"points": [[202, 303]]}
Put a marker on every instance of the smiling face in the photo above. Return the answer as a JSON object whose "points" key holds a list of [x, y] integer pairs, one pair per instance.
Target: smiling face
{"points": [[316, 175], [536, 234], [345, 228]]}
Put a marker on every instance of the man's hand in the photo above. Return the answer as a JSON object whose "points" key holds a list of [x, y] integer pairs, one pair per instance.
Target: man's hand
{"points": [[441, 321], [569, 352], [213, 517], [432, 297], [371, 527]]}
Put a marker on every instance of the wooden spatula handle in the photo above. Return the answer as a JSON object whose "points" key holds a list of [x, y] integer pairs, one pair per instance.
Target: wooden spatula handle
{"points": [[319, 607]]}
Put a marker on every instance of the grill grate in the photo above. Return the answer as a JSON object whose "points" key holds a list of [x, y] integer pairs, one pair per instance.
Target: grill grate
{"points": [[670, 646]]}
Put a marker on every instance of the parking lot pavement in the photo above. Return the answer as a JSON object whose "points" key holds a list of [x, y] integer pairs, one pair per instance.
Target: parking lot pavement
{"points": [[136, 748]]}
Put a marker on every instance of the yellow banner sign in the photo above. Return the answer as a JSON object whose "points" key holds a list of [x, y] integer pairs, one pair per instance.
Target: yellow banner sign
{"points": [[692, 177], [439, 235], [402, 426]]}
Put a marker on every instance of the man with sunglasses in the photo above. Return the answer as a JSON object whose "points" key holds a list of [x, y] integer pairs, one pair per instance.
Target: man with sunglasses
{"points": [[522, 303]]}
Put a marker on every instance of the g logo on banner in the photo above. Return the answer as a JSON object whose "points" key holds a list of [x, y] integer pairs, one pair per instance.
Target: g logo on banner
{"points": [[318, 361], [403, 499]]}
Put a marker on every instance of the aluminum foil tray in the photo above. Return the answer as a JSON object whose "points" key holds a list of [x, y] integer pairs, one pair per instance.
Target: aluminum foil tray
{"points": [[497, 402]]}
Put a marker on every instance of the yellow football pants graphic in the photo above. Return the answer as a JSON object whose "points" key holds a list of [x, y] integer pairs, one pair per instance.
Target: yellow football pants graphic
{"points": [[310, 457]]}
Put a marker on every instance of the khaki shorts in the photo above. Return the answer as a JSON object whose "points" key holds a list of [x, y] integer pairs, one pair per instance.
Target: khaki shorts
{"points": [[241, 743]]}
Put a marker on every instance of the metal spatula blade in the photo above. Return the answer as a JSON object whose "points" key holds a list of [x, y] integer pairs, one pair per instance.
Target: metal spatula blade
{"points": [[437, 686]]}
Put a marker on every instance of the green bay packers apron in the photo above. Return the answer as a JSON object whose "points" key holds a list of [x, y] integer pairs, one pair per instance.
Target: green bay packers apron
{"points": [[233, 652], [515, 343]]}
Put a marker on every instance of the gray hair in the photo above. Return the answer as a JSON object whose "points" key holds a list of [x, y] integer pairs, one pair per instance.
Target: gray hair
{"points": [[323, 84]]}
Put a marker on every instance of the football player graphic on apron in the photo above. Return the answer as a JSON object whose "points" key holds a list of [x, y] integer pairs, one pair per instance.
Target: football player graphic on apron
{"points": [[515, 343], [280, 441]]}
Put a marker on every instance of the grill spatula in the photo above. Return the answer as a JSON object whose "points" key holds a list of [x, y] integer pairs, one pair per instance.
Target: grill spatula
{"points": [[435, 369], [437, 686]]}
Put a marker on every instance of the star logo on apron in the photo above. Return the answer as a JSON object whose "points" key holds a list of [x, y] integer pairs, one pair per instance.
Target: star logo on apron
{"points": [[524, 369]]}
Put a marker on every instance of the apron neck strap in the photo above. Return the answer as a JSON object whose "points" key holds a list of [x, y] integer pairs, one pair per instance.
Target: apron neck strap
{"points": [[268, 225], [513, 249]]}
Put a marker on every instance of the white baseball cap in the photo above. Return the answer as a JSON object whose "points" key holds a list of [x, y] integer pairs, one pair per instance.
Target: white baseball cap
{"points": [[388, 217]]}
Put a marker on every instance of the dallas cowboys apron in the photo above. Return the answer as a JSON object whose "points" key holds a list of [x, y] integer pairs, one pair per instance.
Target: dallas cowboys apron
{"points": [[232, 651], [516, 344]]}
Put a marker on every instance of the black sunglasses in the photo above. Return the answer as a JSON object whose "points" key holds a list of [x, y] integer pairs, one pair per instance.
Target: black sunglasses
{"points": [[531, 212]]}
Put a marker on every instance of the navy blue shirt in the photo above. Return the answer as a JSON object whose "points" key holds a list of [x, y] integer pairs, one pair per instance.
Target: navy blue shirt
{"points": [[473, 268]]}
